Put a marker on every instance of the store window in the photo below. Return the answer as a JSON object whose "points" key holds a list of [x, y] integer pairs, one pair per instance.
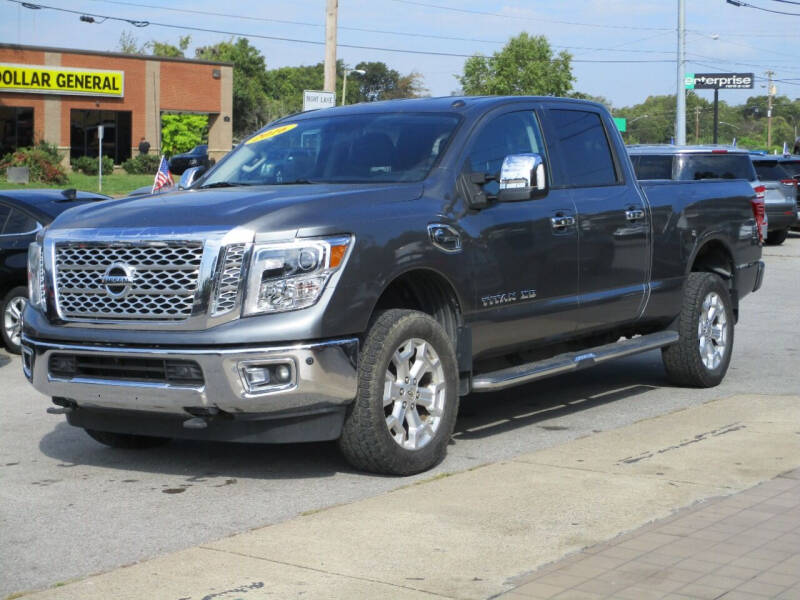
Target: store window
{"points": [[16, 128], [116, 134]]}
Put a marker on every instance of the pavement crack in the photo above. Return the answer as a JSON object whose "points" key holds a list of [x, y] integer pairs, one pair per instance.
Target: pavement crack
{"points": [[325, 572]]}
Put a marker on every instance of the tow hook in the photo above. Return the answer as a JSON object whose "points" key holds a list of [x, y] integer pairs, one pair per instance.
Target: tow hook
{"points": [[64, 406], [201, 417]]}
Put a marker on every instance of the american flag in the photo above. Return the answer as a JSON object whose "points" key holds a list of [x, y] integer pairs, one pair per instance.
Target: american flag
{"points": [[163, 177]]}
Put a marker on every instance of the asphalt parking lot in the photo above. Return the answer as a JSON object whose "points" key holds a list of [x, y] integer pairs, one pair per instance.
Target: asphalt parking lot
{"points": [[70, 507]]}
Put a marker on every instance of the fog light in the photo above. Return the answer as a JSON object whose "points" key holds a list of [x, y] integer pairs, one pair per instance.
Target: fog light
{"points": [[283, 373], [266, 377]]}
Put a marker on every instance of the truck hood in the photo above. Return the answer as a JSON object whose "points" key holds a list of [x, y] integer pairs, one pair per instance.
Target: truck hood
{"points": [[263, 208]]}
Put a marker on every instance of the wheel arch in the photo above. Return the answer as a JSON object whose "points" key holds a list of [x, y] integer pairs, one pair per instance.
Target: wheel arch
{"points": [[714, 255]]}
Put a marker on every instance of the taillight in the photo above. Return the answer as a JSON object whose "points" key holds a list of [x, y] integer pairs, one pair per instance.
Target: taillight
{"points": [[789, 181], [760, 212]]}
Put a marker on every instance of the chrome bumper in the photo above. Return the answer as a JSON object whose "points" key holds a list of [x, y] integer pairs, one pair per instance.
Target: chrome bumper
{"points": [[324, 375]]}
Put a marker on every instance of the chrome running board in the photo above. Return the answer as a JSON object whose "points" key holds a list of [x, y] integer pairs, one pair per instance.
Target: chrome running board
{"points": [[570, 361]]}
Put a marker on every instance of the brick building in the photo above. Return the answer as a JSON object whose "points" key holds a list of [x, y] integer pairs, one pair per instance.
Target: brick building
{"points": [[61, 96]]}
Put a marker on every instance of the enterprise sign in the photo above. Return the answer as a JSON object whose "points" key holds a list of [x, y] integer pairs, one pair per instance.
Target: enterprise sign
{"points": [[61, 80], [719, 81]]}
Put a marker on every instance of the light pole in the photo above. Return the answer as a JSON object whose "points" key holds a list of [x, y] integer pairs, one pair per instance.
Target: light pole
{"points": [[680, 121], [344, 81]]}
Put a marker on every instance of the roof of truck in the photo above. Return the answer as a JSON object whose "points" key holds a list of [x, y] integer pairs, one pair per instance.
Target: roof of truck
{"points": [[675, 149]]}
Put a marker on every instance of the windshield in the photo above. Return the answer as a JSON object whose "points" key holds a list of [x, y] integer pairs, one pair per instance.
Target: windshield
{"points": [[771, 171], [365, 148], [715, 166]]}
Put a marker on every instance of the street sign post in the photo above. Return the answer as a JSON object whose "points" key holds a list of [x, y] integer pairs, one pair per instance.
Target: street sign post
{"points": [[315, 99], [100, 130], [717, 82]]}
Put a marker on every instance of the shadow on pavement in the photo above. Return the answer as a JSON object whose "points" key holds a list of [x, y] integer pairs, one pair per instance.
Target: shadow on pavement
{"points": [[481, 415], [4, 360], [487, 414]]}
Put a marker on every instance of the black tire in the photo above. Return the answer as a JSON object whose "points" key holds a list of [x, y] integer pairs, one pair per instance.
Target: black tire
{"points": [[366, 440], [683, 360], [128, 441], [777, 237], [11, 302]]}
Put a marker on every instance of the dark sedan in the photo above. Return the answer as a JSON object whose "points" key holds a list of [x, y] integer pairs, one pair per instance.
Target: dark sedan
{"points": [[23, 213], [196, 157]]}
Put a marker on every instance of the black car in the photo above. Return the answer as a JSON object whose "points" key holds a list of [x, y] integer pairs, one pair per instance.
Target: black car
{"points": [[196, 157], [22, 214]]}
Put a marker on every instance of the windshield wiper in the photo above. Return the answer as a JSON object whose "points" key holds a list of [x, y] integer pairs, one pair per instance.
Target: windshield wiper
{"points": [[298, 181], [221, 184]]}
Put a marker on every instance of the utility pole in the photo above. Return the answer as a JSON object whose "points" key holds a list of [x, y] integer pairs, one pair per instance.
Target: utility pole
{"points": [[331, 18], [696, 124], [770, 92], [680, 116]]}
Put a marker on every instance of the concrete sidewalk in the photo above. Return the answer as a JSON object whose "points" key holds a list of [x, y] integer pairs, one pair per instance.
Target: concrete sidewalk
{"points": [[476, 534]]}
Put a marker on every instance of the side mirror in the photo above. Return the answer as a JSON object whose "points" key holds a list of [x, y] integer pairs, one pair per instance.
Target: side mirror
{"points": [[522, 177], [189, 176]]}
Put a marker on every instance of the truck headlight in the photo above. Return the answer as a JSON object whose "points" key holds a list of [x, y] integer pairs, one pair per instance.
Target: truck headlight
{"points": [[36, 294], [292, 275]]}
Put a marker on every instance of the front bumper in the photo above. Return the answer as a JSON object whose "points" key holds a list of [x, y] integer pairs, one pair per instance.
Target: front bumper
{"points": [[323, 379]]}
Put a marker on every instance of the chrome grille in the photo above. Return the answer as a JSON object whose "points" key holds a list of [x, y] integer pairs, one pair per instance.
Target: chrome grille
{"points": [[230, 279], [162, 286]]}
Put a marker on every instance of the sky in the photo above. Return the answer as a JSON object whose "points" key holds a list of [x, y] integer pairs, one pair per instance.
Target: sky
{"points": [[720, 37]]}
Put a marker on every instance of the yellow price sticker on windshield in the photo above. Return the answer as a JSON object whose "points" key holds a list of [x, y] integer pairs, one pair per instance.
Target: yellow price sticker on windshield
{"points": [[271, 133]]}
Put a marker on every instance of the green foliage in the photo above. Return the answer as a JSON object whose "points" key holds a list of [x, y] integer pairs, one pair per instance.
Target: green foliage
{"points": [[88, 165], [142, 164], [168, 50], [42, 160], [128, 44], [285, 87], [182, 132], [382, 83], [251, 105], [525, 66]]}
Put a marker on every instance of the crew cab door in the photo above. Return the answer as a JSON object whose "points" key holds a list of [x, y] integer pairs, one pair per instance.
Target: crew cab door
{"points": [[524, 267], [613, 221]]}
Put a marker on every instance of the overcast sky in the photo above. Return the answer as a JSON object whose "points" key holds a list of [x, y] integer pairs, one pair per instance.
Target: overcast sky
{"points": [[747, 40]]}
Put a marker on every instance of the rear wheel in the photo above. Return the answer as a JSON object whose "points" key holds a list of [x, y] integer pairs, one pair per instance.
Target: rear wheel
{"points": [[11, 318], [126, 440], [776, 238], [702, 354], [407, 401]]}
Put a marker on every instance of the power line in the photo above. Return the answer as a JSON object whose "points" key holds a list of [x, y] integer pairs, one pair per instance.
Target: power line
{"points": [[740, 4], [366, 30], [519, 18], [143, 23]]}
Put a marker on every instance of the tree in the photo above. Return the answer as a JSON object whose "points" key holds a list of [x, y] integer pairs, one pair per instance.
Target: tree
{"points": [[251, 105], [525, 66], [182, 132], [382, 83], [168, 50], [128, 44]]}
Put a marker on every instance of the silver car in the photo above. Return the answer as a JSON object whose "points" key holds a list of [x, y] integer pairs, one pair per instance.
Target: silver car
{"points": [[780, 196]]}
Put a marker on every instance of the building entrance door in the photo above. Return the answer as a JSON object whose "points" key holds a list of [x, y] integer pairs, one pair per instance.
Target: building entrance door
{"points": [[116, 134]]}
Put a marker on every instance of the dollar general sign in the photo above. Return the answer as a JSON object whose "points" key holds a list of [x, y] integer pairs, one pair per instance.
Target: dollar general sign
{"points": [[61, 80]]}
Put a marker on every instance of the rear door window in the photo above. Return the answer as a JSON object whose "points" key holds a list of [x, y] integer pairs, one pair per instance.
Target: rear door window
{"points": [[19, 222], [585, 150], [4, 212], [695, 167], [653, 167]]}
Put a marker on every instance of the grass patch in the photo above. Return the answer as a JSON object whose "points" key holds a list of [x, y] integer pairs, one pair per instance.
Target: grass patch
{"points": [[117, 184]]}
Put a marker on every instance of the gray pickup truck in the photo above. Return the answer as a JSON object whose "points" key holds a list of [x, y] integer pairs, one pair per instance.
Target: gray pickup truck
{"points": [[348, 274]]}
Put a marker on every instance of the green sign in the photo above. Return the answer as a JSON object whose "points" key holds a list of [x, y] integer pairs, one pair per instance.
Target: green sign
{"points": [[622, 124], [688, 81]]}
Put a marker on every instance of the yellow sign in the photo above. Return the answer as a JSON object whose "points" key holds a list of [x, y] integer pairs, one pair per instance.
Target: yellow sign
{"points": [[270, 133], [61, 80]]}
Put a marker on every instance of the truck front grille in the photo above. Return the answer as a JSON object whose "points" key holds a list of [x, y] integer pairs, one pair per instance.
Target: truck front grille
{"points": [[121, 281]]}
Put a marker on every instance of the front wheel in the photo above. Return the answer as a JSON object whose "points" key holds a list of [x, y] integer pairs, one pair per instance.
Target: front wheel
{"points": [[128, 441], [702, 354], [407, 401], [11, 318]]}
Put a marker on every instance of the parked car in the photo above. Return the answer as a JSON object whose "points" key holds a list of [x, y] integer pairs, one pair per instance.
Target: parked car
{"points": [[791, 162], [781, 195], [700, 163], [23, 213], [413, 252], [196, 157]]}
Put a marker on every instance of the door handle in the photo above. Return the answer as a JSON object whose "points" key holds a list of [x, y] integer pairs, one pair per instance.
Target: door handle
{"points": [[560, 222], [634, 214]]}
